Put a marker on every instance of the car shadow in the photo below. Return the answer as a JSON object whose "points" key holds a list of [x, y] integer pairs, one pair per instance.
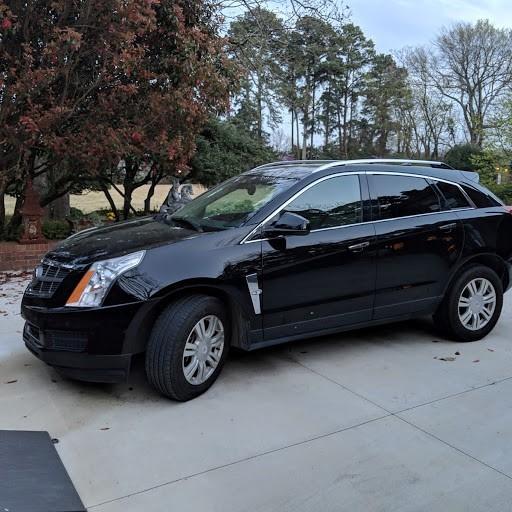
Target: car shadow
{"points": [[266, 361]]}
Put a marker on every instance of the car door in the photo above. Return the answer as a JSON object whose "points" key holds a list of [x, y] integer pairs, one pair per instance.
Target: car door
{"points": [[325, 279], [418, 242]]}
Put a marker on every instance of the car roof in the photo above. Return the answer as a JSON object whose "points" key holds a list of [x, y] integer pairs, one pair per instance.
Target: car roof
{"points": [[303, 168]]}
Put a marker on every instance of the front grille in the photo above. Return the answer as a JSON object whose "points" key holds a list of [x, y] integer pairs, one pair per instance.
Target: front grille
{"points": [[69, 341], [48, 276]]}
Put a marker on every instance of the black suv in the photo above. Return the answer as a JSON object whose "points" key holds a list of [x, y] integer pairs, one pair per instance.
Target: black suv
{"points": [[286, 251]]}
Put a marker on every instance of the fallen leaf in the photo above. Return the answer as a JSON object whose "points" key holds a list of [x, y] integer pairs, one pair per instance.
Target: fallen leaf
{"points": [[476, 361]]}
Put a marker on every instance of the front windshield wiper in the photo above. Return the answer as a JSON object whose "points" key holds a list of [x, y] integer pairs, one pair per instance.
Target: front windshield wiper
{"points": [[187, 223]]}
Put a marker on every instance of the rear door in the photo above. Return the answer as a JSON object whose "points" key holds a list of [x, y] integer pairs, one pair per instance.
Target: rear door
{"points": [[325, 279], [418, 242]]}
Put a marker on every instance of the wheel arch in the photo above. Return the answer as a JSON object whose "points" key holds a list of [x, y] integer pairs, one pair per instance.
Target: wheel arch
{"points": [[238, 317], [490, 260]]}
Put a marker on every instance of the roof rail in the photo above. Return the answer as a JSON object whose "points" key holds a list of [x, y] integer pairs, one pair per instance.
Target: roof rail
{"points": [[396, 161], [296, 162], [325, 164]]}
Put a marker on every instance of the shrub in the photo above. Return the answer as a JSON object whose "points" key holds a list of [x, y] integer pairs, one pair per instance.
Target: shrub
{"points": [[56, 229], [76, 213], [461, 156]]}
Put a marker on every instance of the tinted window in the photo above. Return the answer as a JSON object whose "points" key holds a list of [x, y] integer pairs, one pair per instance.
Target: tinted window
{"points": [[233, 202], [452, 196], [481, 199], [401, 196], [330, 203]]}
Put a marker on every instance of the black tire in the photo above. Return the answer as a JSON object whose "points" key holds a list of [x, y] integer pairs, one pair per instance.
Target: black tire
{"points": [[447, 319], [164, 356]]}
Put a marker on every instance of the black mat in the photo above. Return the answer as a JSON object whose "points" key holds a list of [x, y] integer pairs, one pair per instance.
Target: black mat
{"points": [[32, 476]]}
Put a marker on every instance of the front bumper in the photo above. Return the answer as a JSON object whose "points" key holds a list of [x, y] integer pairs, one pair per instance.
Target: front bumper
{"points": [[91, 345]]}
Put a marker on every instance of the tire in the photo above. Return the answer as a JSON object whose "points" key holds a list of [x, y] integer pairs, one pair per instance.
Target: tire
{"points": [[166, 362], [455, 316]]}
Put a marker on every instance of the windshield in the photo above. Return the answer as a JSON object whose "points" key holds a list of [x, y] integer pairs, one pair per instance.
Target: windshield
{"points": [[232, 203]]}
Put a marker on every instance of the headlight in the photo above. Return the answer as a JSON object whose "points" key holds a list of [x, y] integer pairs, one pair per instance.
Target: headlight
{"points": [[93, 287]]}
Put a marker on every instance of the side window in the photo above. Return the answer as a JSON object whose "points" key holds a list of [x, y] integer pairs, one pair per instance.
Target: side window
{"points": [[402, 196], [330, 203], [453, 198], [480, 198]]}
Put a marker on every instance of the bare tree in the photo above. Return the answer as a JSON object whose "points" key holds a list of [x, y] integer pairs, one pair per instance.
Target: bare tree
{"points": [[428, 116], [470, 65]]}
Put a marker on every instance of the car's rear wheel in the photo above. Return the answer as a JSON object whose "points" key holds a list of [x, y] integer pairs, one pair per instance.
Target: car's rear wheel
{"points": [[188, 347], [472, 305]]}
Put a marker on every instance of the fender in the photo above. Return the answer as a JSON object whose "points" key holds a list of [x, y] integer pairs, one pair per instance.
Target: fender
{"points": [[237, 307], [497, 263]]}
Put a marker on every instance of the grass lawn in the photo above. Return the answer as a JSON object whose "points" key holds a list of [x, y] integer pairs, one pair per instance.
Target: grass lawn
{"points": [[91, 201]]}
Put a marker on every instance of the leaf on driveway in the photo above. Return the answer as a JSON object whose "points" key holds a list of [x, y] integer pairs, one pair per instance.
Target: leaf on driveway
{"points": [[476, 361]]}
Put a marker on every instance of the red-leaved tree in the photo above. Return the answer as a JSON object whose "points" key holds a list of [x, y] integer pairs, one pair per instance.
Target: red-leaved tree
{"points": [[105, 91]]}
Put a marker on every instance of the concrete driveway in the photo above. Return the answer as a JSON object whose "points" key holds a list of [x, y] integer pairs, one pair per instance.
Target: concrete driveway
{"points": [[367, 421]]}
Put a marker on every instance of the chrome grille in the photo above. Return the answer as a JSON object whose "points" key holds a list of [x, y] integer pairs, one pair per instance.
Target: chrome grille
{"points": [[47, 278]]}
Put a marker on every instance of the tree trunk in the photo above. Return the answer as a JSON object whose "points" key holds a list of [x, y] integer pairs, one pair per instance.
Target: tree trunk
{"points": [[345, 117], [312, 121], [298, 134], [3, 186], [59, 209], [259, 101], [15, 222], [304, 140], [151, 192], [110, 200], [340, 132], [293, 131], [127, 202]]}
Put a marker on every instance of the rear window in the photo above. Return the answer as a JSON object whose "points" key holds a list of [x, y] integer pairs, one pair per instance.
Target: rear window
{"points": [[453, 197], [403, 196]]}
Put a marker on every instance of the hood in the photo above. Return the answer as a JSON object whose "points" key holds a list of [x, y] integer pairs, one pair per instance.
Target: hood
{"points": [[122, 238]]}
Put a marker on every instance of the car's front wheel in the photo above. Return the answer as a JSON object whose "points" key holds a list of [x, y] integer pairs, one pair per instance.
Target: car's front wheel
{"points": [[187, 347], [472, 305]]}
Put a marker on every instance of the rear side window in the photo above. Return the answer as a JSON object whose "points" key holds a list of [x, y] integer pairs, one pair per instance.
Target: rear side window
{"points": [[481, 199], [403, 196], [453, 197], [330, 203]]}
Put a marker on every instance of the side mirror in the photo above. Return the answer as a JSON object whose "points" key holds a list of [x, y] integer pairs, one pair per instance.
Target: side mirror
{"points": [[287, 224]]}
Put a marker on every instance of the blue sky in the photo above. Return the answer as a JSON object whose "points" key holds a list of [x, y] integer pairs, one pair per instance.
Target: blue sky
{"points": [[393, 24]]}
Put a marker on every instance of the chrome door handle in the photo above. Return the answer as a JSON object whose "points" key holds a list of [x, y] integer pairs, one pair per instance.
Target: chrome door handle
{"points": [[448, 227], [359, 247]]}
